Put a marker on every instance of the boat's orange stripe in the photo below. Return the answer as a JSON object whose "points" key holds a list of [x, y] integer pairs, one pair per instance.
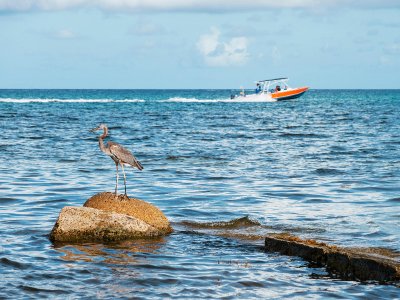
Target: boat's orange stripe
{"points": [[288, 93]]}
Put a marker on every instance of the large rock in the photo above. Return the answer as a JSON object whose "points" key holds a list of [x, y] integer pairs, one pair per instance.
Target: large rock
{"points": [[136, 208], [84, 224]]}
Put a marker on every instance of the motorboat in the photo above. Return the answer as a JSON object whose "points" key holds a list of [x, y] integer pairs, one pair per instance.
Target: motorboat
{"points": [[273, 90]]}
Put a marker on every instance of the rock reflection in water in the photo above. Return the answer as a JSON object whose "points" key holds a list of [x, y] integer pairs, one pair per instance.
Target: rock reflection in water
{"points": [[120, 253]]}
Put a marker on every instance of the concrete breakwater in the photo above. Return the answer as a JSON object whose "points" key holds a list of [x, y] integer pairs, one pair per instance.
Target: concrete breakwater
{"points": [[345, 263], [361, 264]]}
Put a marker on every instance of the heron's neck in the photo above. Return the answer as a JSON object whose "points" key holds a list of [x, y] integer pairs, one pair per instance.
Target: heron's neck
{"points": [[101, 141], [105, 133]]}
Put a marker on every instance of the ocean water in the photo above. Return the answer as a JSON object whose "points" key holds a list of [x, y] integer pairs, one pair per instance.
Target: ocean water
{"points": [[325, 166]]}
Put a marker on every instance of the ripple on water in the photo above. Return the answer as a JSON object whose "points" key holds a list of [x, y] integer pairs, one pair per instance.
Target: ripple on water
{"points": [[7, 263], [394, 200], [9, 200], [42, 291], [328, 171], [318, 200], [304, 135]]}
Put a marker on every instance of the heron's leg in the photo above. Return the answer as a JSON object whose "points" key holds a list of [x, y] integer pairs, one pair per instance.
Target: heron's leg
{"points": [[116, 184], [123, 171]]}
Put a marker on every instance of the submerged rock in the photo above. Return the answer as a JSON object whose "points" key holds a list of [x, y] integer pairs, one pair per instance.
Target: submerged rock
{"points": [[136, 208], [84, 224], [239, 223]]}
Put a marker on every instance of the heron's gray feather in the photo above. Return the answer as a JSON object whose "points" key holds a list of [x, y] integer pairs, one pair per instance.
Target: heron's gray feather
{"points": [[124, 155]]}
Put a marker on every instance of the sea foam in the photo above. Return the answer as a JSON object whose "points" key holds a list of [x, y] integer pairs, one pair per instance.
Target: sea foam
{"points": [[49, 100], [249, 98]]}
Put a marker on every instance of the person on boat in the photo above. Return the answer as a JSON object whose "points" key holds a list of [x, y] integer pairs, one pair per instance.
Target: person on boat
{"points": [[278, 88], [258, 88]]}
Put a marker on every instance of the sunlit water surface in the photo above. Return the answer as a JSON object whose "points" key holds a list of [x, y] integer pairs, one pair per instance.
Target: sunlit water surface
{"points": [[325, 166]]}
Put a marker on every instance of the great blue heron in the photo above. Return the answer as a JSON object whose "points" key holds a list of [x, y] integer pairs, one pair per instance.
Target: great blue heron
{"points": [[119, 154]]}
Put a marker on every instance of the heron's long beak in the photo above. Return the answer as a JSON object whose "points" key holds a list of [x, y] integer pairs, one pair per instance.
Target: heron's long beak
{"points": [[94, 129]]}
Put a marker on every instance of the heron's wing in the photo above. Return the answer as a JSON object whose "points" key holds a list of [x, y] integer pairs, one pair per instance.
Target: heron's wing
{"points": [[124, 155]]}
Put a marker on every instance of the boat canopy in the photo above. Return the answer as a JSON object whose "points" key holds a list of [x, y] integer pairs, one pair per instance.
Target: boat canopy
{"points": [[273, 80], [266, 84]]}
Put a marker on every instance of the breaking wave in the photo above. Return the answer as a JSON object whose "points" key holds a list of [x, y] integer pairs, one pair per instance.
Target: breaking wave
{"points": [[50, 100], [248, 98]]}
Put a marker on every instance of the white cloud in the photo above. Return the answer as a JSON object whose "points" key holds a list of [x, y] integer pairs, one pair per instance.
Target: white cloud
{"points": [[27, 5], [188, 5], [208, 43], [218, 53]]}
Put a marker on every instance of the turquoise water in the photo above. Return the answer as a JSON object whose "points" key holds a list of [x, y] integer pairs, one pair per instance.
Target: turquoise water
{"points": [[325, 166]]}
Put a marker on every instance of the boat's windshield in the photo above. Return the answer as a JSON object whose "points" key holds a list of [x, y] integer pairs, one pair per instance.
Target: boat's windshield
{"points": [[273, 85]]}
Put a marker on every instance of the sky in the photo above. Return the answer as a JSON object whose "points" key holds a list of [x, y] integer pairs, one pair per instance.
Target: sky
{"points": [[207, 44]]}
